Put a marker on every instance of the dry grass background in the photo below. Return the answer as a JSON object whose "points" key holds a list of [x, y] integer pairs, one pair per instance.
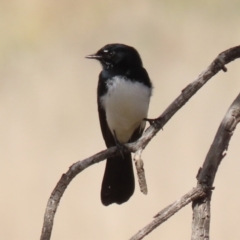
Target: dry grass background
{"points": [[48, 113]]}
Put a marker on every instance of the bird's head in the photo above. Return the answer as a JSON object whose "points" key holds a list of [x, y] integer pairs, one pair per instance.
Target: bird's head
{"points": [[117, 56]]}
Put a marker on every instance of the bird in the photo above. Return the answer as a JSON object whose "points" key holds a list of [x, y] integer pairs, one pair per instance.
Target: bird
{"points": [[123, 95]]}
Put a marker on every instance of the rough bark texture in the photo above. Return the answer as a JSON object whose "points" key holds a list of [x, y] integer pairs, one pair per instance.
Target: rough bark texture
{"points": [[201, 218]]}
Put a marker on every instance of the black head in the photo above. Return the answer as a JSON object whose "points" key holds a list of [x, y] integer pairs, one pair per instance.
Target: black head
{"points": [[117, 56]]}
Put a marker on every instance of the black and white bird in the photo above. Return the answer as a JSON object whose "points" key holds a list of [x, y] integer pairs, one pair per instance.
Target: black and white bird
{"points": [[123, 95]]}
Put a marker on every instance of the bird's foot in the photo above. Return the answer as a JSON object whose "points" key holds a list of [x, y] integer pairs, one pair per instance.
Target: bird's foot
{"points": [[121, 148]]}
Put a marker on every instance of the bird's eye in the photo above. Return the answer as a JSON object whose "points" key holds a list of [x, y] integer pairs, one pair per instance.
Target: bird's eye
{"points": [[111, 53]]}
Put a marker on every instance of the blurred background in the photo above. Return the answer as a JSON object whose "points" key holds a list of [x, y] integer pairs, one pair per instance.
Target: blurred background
{"points": [[49, 119]]}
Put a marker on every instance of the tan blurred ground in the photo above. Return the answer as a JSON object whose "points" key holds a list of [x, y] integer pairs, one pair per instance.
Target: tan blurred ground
{"points": [[48, 114]]}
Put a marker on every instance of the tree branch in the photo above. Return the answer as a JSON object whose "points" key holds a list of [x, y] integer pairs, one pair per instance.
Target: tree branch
{"points": [[206, 176], [167, 212], [217, 65]]}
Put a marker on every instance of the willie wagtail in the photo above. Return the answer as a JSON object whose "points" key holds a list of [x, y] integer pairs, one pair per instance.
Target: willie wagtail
{"points": [[123, 95]]}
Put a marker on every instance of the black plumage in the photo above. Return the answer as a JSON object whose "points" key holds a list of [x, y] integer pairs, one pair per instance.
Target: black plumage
{"points": [[123, 93]]}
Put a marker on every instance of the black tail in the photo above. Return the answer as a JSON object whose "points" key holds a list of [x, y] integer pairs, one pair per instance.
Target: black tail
{"points": [[118, 180]]}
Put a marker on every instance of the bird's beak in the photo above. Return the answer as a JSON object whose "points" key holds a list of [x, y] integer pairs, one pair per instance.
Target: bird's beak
{"points": [[94, 56]]}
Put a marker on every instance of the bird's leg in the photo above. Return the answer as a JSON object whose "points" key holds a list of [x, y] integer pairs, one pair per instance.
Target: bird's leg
{"points": [[121, 147]]}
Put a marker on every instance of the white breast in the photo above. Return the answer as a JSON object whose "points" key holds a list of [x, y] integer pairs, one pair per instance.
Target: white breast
{"points": [[126, 105]]}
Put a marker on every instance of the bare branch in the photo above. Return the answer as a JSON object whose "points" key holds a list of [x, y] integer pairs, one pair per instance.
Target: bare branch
{"points": [[220, 144], [217, 65], [66, 178], [206, 176], [170, 210], [201, 217]]}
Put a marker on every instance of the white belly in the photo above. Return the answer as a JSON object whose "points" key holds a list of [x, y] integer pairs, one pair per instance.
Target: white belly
{"points": [[126, 105]]}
